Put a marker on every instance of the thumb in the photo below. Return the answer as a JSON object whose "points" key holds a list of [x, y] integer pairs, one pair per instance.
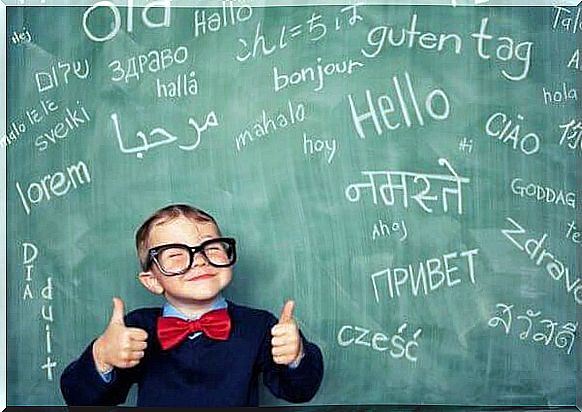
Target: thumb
{"points": [[287, 312], [118, 312]]}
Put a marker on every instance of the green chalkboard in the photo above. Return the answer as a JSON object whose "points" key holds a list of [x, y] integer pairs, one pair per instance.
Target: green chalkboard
{"points": [[408, 174]]}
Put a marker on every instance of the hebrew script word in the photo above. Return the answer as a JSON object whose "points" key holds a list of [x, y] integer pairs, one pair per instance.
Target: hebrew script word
{"points": [[47, 80]]}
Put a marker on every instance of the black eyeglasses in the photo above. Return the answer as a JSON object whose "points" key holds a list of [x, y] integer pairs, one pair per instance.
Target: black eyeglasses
{"points": [[176, 258]]}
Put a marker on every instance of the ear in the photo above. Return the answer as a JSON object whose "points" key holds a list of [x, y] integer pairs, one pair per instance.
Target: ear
{"points": [[150, 282]]}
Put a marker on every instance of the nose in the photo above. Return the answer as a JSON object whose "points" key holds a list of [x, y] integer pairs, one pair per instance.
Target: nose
{"points": [[199, 260]]}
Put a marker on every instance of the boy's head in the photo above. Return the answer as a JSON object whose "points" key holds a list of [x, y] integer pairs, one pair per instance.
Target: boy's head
{"points": [[184, 256]]}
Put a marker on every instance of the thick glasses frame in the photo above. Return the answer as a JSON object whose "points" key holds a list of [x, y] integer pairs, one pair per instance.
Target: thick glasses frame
{"points": [[155, 251]]}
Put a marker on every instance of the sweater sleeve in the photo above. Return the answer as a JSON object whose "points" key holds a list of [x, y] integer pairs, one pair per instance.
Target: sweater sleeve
{"points": [[295, 385]]}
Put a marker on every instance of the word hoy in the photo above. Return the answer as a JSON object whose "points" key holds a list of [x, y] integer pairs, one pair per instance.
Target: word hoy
{"points": [[61, 130], [313, 146], [268, 124], [533, 249], [57, 184], [560, 95], [21, 37], [425, 278], [379, 111]]}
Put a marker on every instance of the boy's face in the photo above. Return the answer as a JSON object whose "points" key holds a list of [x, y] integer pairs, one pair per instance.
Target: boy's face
{"points": [[202, 282]]}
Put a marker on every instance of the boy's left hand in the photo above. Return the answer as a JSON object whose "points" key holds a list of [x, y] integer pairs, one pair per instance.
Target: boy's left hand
{"points": [[286, 342]]}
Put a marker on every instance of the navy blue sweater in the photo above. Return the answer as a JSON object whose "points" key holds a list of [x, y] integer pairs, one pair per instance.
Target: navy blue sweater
{"points": [[199, 372]]}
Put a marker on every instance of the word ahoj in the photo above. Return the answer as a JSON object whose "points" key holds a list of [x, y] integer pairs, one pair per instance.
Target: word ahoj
{"points": [[400, 347], [564, 337], [47, 81], [387, 187], [182, 86], [56, 184], [430, 275], [499, 125], [573, 233], [572, 134], [560, 95], [61, 130], [116, 26], [21, 37], [533, 249], [383, 229], [270, 124], [543, 193], [563, 20], [166, 137], [436, 106], [313, 146], [228, 16]]}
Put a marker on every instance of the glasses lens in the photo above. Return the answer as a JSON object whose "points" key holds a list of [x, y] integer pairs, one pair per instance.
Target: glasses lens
{"points": [[175, 259], [218, 253]]}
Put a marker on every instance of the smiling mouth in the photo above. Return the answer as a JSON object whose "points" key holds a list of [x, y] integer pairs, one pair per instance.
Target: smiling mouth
{"points": [[201, 277]]}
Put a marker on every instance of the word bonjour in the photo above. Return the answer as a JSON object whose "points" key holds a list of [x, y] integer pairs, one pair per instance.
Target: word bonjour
{"points": [[116, 24], [61, 130], [385, 106], [313, 146], [271, 124], [430, 276], [565, 337], [543, 193], [499, 124], [533, 249], [57, 184], [382, 229], [386, 190], [308, 74], [400, 347]]}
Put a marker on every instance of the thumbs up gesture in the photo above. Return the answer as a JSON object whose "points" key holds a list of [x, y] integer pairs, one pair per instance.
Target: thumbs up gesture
{"points": [[286, 342], [119, 345]]}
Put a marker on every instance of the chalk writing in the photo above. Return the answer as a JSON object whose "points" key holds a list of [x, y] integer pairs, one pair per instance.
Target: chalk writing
{"points": [[312, 146], [228, 16], [184, 85], [21, 37], [572, 134], [385, 229], [574, 234], [71, 122], [34, 116], [574, 62], [270, 124], [562, 336], [47, 80], [430, 275], [153, 62], [57, 184], [386, 190], [533, 249], [161, 136], [400, 347], [563, 20], [543, 193], [499, 125], [116, 24], [466, 145], [560, 96], [436, 106]]}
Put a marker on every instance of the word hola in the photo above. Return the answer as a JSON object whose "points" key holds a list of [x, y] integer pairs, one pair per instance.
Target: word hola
{"points": [[313, 146], [500, 126], [58, 184], [228, 16], [116, 26], [384, 105], [560, 95]]}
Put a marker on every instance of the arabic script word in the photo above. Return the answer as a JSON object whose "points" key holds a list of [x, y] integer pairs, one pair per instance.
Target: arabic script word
{"points": [[562, 338], [166, 137], [386, 190]]}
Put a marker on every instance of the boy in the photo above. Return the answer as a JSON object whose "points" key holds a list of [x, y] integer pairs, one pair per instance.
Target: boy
{"points": [[199, 349]]}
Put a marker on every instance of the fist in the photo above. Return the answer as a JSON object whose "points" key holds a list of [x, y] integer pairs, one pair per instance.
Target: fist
{"points": [[286, 342], [119, 345]]}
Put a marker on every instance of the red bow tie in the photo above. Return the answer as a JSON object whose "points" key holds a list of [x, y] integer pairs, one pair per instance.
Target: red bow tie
{"points": [[214, 324]]}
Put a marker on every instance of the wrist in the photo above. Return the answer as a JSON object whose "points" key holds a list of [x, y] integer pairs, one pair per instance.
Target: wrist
{"points": [[100, 364]]}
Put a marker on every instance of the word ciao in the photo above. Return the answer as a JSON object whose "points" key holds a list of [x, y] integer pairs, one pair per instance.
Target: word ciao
{"points": [[47, 80], [436, 105], [386, 190], [381, 37], [499, 125], [228, 16], [270, 124], [308, 74], [563, 339], [34, 117], [23, 37], [30, 253], [430, 275], [116, 24], [563, 20], [166, 137], [533, 249], [382, 229], [313, 146], [59, 131], [399, 347], [572, 134], [56, 184], [573, 233], [153, 61], [542, 193]]}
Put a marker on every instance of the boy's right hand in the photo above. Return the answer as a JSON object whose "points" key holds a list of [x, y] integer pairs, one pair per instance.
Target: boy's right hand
{"points": [[119, 345]]}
